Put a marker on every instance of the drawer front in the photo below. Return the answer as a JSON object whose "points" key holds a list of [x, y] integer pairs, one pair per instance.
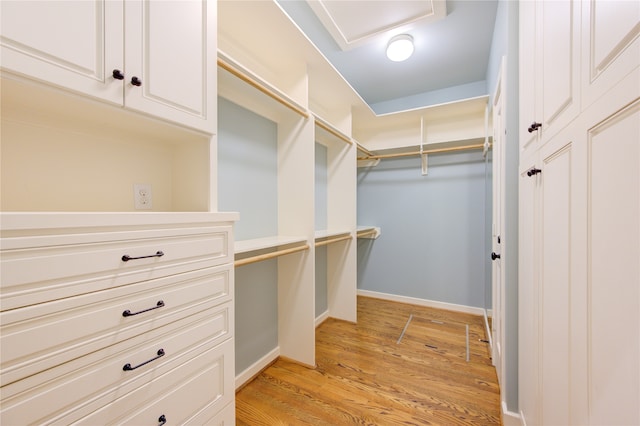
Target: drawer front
{"points": [[213, 416], [77, 388], [40, 337], [204, 383], [36, 269]]}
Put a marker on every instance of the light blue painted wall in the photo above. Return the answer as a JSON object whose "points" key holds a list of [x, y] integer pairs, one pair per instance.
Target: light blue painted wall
{"points": [[321, 200], [433, 228], [321, 186], [256, 312], [247, 183], [248, 170]]}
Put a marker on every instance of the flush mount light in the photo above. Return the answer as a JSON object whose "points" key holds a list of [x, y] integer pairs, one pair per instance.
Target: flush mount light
{"points": [[400, 48]]}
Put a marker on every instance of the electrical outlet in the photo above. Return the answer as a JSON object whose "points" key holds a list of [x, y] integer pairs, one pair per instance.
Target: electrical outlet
{"points": [[142, 196]]}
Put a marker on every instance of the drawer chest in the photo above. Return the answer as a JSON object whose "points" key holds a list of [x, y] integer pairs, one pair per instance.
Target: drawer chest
{"points": [[117, 318]]}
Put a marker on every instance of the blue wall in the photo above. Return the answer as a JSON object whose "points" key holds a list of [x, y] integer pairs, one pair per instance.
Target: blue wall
{"points": [[248, 183], [321, 200], [248, 170], [433, 228]]}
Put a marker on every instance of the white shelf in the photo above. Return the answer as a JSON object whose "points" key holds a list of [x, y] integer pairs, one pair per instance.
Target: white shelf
{"points": [[368, 232], [247, 246], [324, 233]]}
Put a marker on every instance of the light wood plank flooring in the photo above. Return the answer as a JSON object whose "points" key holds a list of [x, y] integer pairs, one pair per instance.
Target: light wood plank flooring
{"points": [[363, 376]]}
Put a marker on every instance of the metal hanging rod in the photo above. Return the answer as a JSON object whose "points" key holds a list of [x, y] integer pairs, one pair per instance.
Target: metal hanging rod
{"points": [[271, 255], [332, 240], [426, 151], [261, 87]]}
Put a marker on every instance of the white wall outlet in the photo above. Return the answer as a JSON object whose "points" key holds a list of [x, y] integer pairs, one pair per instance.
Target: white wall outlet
{"points": [[142, 196]]}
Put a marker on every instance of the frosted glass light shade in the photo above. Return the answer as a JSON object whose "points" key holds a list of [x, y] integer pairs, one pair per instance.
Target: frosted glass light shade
{"points": [[400, 48]]}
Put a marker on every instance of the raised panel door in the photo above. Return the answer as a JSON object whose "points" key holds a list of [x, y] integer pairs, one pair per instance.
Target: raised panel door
{"points": [[72, 44], [611, 45], [555, 283], [171, 49], [528, 281], [528, 81], [559, 61], [613, 268]]}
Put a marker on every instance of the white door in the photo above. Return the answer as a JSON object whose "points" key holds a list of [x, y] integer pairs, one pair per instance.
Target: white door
{"points": [[170, 50], [77, 44], [497, 245]]}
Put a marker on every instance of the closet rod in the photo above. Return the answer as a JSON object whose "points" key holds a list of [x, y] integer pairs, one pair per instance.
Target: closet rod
{"points": [[426, 151], [271, 255], [267, 91], [332, 240], [329, 128]]}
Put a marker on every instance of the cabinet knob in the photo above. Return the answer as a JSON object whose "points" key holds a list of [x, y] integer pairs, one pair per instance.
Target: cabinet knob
{"points": [[533, 171], [534, 127], [494, 256], [117, 74], [136, 81]]}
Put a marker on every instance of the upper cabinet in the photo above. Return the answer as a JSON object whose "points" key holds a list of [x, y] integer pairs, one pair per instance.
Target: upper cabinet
{"points": [[150, 56], [549, 68]]}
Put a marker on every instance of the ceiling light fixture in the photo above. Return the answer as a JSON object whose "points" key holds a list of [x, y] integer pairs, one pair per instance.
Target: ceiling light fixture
{"points": [[400, 48]]}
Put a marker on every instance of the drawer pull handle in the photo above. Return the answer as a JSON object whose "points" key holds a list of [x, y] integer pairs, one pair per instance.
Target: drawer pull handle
{"points": [[127, 258], [128, 367], [162, 420], [128, 313]]}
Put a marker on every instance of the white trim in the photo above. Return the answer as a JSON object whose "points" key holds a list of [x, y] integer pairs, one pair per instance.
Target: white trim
{"points": [[322, 317], [423, 302], [509, 418], [255, 369]]}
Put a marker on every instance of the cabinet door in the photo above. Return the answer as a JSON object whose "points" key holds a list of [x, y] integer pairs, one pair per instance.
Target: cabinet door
{"points": [[71, 44], [528, 282], [171, 49], [528, 81], [611, 45], [555, 280], [559, 61]]}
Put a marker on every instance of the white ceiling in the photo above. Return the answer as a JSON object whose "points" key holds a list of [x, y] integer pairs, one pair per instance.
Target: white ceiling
{"points": [[452, 46]]}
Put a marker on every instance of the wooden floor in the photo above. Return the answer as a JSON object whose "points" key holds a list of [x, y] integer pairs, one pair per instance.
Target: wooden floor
{"points": [[364, 376]]}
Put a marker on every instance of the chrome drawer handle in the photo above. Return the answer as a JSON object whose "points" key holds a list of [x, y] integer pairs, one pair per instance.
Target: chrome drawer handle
{"points": [[127, 258], [162, 420], [128, 367], [128, 313]]}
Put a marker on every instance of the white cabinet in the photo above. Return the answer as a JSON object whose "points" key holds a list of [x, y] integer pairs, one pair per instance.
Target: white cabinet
{"points": [[150, 56], [549, 68], [116, 318], [579, 293]]}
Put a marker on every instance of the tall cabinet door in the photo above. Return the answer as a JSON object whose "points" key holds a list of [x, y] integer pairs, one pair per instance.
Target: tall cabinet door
{"points": [[72, 44], [555, 280], [170, 55]]}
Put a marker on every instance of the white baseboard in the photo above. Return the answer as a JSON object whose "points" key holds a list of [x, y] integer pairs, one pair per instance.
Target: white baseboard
{"points": [[509, 418], [423, 302], [322, 317], [257, 367]]}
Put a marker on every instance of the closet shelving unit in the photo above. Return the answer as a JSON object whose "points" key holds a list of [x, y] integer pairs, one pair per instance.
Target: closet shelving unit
{"points": [[341, 212], [293, 245], [282, 77]]}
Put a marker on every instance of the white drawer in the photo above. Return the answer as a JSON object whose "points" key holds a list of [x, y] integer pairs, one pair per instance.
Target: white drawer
{"points": [[201, 385], [75, 389], [213, 416], [66, 262], [35, 338]]}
